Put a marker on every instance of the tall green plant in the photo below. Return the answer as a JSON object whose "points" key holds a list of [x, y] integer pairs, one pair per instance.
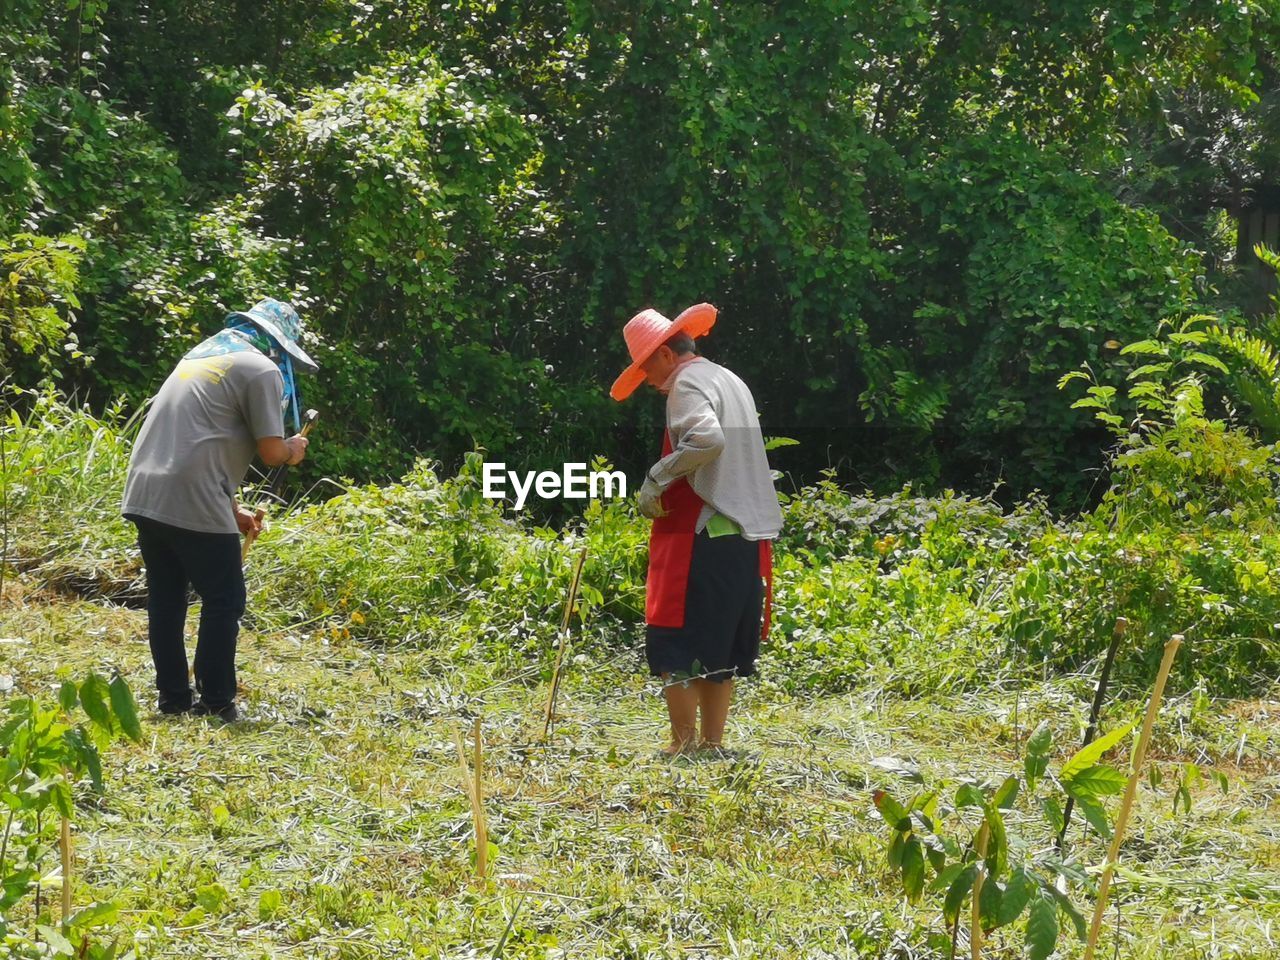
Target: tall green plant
{"points": [[964, 840], [46, 756]]}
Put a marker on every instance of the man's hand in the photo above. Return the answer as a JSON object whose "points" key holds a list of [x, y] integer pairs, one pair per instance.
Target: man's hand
{"points": [[650, 499], [247, 521], [276, 452], [297, 445]]}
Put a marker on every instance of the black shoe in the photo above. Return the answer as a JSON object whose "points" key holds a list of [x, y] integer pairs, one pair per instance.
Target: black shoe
{"points": [[171, 709], [227, 713]]}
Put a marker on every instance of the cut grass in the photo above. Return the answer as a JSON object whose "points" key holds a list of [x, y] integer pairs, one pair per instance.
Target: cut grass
{"points": [[333, 824]]}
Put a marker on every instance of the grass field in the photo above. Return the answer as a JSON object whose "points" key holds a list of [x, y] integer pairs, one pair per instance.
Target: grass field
{"points": [[332, 822]]}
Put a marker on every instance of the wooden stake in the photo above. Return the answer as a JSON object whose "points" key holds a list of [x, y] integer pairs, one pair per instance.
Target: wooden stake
{"points": [[975, 916], [471, 787], [1131, 788], [482, 826], [64, 845], [574, 583]]}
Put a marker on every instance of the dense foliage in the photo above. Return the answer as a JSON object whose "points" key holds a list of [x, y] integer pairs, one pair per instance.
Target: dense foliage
{"points": [[915, 217]]}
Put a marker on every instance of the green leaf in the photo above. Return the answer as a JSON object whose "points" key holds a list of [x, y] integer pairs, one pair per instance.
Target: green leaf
{"points": [[1181, 796], [989, 901], [1042, 929], [94, 694], [17, 881], [1089, 755], [1096, 815], [60, 794], [935, 852], [213, 897], [958, 890], [913, 870], [269, 904], [896, 844], [997, 858], [1069, 908], [1036, 760], [1149, 368], [945, 877], [125, 708], [969, 795], [1017, 893], [1006, 794], [894, 813], [1205, 360], [85, 755], [1053, 813], [1153, 347], [58, 944], [68, 696], [1097, 781], [95, 915]]}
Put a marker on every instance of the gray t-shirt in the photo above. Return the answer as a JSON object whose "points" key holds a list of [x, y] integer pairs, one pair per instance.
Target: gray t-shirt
{"points": [[199, 438]]}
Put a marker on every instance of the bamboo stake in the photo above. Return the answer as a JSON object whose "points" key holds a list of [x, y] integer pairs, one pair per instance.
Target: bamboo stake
{"points": [[482, 825], [975, 916], [471, 787], [64, 845], [1095, 711], [1131, 788], [574, 583]]}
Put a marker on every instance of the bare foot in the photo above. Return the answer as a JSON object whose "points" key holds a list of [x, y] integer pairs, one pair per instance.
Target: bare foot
{"points": [[679, 749]]}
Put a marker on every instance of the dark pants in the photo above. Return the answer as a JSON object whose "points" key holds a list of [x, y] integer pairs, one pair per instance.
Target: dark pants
{"points": [[210, 562], [723, 605]]}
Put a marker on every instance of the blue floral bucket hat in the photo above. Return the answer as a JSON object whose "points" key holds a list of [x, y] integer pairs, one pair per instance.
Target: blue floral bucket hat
{"points": [[281, 322]]}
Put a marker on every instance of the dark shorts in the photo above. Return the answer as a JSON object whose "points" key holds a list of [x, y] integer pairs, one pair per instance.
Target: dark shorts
{"points": [[720, 638]]}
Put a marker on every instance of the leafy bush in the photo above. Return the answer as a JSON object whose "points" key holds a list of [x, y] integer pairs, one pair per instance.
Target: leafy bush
{"points": [[40, 276], [1029, 268], [1185, 537]]}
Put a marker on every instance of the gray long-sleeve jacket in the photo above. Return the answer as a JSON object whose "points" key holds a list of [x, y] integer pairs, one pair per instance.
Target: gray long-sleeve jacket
{"points": [[716, 443]]}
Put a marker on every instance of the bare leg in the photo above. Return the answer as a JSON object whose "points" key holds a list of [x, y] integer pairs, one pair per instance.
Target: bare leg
{"points": [[714, 700], [682, 707]]}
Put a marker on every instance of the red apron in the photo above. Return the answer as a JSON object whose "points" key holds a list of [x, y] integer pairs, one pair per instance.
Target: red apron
{"points": [[671, 555]]}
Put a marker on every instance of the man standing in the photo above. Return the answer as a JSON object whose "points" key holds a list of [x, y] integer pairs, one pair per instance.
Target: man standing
{"points": [[715, 514], [225, 401]]}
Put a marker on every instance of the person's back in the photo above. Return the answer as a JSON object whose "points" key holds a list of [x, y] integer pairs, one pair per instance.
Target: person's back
{"points": [[199, 438], [738, 481]]}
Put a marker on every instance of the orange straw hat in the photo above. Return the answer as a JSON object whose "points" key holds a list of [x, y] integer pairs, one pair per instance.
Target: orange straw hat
{"points": [[647, 331]]}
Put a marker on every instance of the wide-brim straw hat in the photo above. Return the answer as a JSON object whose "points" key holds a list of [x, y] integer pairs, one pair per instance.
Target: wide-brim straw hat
{"points": [[647, 331], [281, 322]]}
